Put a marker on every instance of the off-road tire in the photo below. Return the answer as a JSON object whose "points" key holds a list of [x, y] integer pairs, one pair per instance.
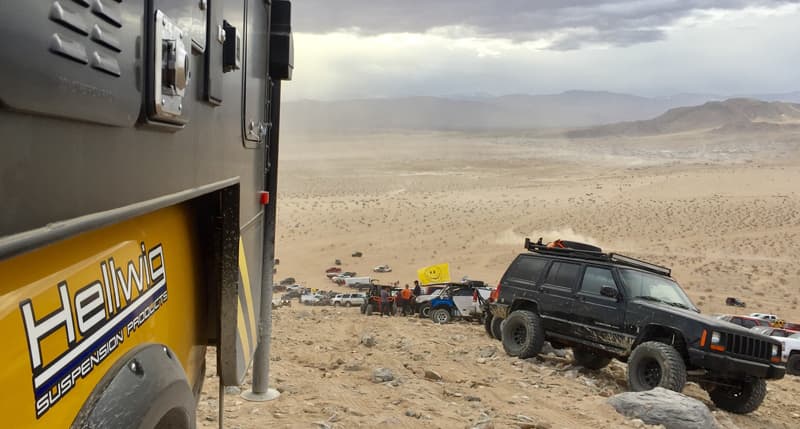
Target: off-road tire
{"points": [[653, 364], [487, 324], [497, 332], [746, 399], [347, 304], [369, 310], [441, 316], [590, 359], [425, 310], [523, 334], [793, 364]]}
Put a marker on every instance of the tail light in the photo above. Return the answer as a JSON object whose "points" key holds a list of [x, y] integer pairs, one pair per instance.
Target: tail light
{"points": [[475, 295], [495, 293]]}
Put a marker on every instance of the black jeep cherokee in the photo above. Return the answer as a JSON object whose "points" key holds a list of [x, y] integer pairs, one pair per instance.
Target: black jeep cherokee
{"points": [[607, 305]]}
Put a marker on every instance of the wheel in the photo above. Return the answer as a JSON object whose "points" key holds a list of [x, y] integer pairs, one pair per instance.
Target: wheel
{"points": [[653, 364], [742, 399], [487, 324], [369, 309], [522, 334], [440, 315], [425, 311], [363, 308], [793, 364], [589, 359], [347, 304], [497, 332], [335, 304]]}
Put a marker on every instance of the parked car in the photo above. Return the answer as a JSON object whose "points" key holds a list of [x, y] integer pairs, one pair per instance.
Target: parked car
{"points": [[764, 316], [288, 281], [607, 305], [313, 299], [354, 281], [333, 270], [348, 299], [357, 254], [734, 302], [744, 321], [791, 346], [382, 269]]}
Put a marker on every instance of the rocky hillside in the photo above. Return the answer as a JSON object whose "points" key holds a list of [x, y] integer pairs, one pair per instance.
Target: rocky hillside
{"points": [[736, 115]]}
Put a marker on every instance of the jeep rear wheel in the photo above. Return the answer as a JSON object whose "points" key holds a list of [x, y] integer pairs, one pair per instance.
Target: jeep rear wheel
{"points": [[523, 334], [793, 364], [741, 399], [497, 324], [589, 359], [440, 315], [369, 309], [487, 324], [653, 364]]}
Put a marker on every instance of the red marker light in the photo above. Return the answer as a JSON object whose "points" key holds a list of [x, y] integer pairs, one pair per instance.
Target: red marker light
{"points": [[264, 197]]}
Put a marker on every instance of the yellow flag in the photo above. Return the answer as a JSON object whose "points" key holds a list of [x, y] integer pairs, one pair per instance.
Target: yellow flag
{"points": [[439, 273]]}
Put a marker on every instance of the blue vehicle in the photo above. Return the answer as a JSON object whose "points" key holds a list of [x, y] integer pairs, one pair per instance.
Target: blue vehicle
{"points": [[460, 301]]}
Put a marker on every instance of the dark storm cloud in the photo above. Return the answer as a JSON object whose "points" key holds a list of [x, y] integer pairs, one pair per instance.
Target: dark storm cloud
{"points": [[570, 23]]}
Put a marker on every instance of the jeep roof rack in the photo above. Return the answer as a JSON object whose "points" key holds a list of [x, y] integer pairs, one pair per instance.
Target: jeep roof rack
{"points": [[597, 256]]}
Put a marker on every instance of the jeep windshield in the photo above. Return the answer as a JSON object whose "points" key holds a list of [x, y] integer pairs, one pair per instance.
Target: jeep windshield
{"points": [[651, 287]]}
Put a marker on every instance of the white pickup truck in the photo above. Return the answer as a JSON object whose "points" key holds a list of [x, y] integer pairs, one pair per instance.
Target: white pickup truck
{"points": [[791, 346]]}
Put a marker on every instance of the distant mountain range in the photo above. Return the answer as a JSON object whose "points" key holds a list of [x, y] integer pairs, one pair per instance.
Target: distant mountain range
{"points": [[569, 109], [735, 115]]}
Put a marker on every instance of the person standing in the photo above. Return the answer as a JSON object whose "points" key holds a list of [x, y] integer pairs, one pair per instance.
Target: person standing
{"points": [[417, 289], [405, 300], [385, 306]]}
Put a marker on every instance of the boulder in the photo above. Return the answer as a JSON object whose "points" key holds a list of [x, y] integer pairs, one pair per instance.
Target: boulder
{"points": [[382, 375], [664, 407]]}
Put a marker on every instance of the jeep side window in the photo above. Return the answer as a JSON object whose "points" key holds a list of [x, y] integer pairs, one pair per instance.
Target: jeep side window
{"points": [[563, 274], [528, 269], [595, 278], [463, 292]]}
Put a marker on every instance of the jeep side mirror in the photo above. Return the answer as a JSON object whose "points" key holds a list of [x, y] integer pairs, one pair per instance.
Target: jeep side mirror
{"points": [[609, 291]]}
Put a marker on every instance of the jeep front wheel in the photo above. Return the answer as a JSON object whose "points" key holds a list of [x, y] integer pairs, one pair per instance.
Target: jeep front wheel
{"points": [[523, 334], [589, 359], [742, 399], [653, 364]]}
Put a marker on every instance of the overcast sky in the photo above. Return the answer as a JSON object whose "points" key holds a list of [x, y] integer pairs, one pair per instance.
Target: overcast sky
{"points": [[389, 48]]}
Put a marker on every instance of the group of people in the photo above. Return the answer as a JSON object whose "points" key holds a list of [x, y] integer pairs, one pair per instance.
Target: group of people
{"points": [[404, 298]]}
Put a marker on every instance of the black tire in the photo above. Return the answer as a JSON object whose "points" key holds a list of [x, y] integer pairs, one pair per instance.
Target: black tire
{"points": [[497, 332], [589, 359], [487, 324], [369, 310], [793, 364], [653, 364], [441, 316], [743, 399], [523, 334], [347, 304], [425, 310]]}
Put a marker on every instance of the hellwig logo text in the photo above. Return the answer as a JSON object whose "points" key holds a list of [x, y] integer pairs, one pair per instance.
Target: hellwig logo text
{"points": [[105, 312]]}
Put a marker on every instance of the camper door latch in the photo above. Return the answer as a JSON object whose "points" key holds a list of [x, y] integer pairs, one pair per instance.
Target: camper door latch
{"points": [[171, 68]]}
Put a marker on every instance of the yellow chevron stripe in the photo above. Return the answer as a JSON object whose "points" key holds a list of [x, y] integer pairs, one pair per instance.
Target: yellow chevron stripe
{"points": [[243, 333], [248, 294]]}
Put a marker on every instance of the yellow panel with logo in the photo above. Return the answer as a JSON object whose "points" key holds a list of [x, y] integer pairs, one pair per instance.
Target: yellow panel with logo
{"points": [[69, 310]]}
